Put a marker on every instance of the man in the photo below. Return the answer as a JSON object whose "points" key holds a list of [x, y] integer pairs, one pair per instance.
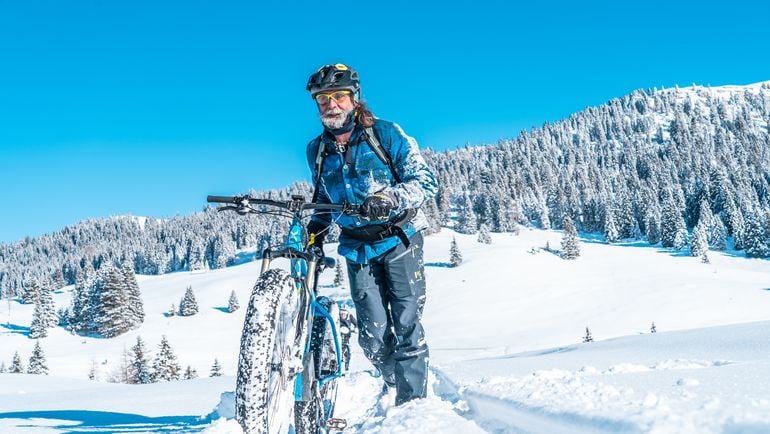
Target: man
{"points": [[366, 161], [347, 328]]}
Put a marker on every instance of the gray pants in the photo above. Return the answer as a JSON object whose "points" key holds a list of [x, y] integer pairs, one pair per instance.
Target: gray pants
{"points": [[389, 294]]}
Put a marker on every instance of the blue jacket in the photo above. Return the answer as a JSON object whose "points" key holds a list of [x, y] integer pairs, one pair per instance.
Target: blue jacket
{"points": [[366, 175]]}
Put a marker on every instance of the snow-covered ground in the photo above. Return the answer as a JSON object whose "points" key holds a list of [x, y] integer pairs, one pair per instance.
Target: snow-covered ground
{"points": [[505, 331]]}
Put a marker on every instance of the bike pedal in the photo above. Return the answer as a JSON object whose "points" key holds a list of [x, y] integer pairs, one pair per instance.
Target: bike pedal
{"points": [[336, 423]]}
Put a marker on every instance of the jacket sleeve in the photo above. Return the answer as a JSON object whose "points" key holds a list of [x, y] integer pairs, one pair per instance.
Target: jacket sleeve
{"points": [[417, 181], [322, 219]]}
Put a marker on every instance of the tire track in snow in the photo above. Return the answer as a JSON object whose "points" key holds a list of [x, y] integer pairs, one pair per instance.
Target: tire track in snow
{"points": [[502, 416]]}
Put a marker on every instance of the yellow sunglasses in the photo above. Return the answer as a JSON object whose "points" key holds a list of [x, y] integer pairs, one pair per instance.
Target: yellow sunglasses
{"points": [[325, 98]]}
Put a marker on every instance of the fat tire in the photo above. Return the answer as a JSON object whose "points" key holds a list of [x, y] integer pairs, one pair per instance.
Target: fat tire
{"points": [[274, 289]]}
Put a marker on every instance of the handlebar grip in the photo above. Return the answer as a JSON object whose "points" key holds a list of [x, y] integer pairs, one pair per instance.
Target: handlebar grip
{"points": [[221, 199]]}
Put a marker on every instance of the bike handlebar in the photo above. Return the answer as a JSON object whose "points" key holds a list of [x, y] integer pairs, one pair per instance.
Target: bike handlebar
{"points": [[296, 203]]}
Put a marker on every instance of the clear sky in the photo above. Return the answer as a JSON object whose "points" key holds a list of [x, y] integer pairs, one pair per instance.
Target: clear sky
{"points": [[145, 107]]}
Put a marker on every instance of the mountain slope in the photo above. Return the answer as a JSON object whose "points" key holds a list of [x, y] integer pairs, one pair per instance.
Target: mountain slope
{"points": [[504, 330]]}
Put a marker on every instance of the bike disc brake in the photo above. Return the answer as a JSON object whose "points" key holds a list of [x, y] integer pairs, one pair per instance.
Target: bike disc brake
{"points": [[336, 423]]}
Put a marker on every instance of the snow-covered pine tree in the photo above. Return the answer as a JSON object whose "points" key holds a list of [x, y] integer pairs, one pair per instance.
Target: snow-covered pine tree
{"points": [[3, 369], [699, 243], [216, 369], [16, 366], [165, 367], [570, 248], [484, 236], [611, 234], [339, 276], [139, 371], [466, 223], [37, 363], [31, 292], [188, 306], [754, 237], [588, 337], [80, 310], [112, 316], [232, 303], [455, 257], [172, 311], [38, 328], [653, 229], [134, 296], [190, 373], [673, 232], [63, 317]]}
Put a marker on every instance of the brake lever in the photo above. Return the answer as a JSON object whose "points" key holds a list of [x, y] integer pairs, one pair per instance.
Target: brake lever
{"points": [[239, 209]]}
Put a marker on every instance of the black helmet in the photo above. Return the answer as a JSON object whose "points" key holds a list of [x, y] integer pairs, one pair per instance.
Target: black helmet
{"points": [[332, 77]]}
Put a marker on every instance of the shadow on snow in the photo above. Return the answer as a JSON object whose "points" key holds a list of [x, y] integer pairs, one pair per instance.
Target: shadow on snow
{"points": [[14, 328], [83, 421]]}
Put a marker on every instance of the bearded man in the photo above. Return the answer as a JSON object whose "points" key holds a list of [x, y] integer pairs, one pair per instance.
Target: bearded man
{"points": [[362, 160]]}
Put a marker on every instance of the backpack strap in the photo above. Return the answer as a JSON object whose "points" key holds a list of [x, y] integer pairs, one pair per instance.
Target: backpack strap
{"points": [[319, 162], [374, 142]]}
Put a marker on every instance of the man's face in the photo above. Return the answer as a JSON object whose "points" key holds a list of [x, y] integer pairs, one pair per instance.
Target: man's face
{"points": [[334, 106]]}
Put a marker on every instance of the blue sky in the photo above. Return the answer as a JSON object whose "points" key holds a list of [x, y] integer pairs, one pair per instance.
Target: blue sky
{"points": [[145, 107]]}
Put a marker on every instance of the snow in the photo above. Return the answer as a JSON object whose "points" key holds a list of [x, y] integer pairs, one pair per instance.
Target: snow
{"points": [[504, 331]]}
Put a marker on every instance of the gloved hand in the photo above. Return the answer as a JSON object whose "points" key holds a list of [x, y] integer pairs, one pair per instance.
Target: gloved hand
{"points": [[379, 205]]}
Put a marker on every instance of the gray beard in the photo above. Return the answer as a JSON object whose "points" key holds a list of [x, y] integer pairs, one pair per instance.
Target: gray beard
{"points": [[334, 118]]}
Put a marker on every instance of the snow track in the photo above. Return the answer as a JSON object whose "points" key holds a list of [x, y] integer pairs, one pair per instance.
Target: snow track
{"points": [[503, 416]]}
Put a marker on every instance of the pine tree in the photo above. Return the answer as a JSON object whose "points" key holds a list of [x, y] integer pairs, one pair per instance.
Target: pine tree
{"points": [[172, 310], [188, 306], [699, 242], [339, 277], [49, 308], [112, 317], [673, 232], [588, 337], [31, 292], [455, 257], [16, 366], [216, 369], [38, 328], [467, 221], [232, 303], [134, 296], [37, 363], [3, 369], [165, 367], [570, 248], [139, 366], [484, 236], [190, 373], [611, 233], [653, 230], [653, 329], [754, 238]]}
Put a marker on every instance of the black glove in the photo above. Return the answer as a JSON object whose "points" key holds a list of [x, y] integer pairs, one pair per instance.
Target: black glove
{"points": [[379, 205]]}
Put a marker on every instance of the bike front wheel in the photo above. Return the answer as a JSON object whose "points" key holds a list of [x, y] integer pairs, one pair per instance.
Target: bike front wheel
{"points": [[268, 361]]}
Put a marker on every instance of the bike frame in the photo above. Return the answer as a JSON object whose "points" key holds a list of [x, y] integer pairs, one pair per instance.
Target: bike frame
{"points": [[299, 270]]}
